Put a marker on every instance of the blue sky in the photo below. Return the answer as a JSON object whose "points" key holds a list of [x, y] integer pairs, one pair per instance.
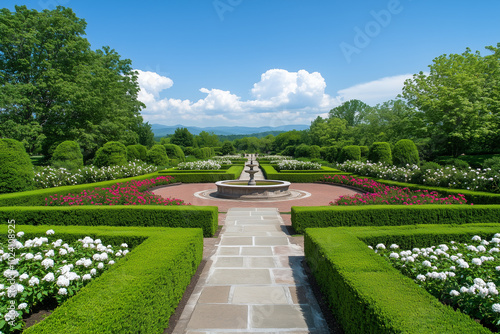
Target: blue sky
{"points": [[276, 62]]}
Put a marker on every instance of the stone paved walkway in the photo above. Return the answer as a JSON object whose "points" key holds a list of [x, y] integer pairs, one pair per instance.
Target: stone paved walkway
{"points": [[255, 283]]}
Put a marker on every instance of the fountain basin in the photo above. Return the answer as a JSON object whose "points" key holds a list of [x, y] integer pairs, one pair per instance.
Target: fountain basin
{"points": [[265, 189]]}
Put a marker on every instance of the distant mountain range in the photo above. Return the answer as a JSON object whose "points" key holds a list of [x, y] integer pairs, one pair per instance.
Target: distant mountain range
{"points": [[163, 130]]}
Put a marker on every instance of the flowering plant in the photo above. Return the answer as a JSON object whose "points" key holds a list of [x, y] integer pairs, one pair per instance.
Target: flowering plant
{"points": [[200, 165], [448, 177], [129, 193], [46, 177], [378, 193], [46, 270], [461, 275], [296, 165]]}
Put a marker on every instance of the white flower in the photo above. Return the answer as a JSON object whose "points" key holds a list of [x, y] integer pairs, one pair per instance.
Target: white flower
{"points": [[97, 241], [453, 268], [477, 261], [49, 277], [28, 256], [49, 232], [62, 291], [62, 251], [124, 245], [86, 277], [464, 290], [72, 276], [125, 252], [22, 306], [11, 315], [111, 262], [421, 277], [62, 281], [33, 281], [20, 234], [496, 308], [454, 293], [10, 273], [494, 250], [47, 263], [50, 253], [100, 265], [23, 277], [38, 257], [370, 247], [380, 246], [394, 255], [93, 271], [426, 263], [476, 238], [481, 248], [495, 240]]}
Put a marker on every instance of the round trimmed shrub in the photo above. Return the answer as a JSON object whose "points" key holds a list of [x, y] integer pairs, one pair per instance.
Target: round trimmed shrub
{"points": [[288, 151], [315, 152], [188, 150], [67, 155], [16, 169], [431, 165], [111, 154], [457, 163], [302, 151], [364, 151], [175, 152], [157, 156], [133, 153], [405, 152], [380, 152], [350, 152]]}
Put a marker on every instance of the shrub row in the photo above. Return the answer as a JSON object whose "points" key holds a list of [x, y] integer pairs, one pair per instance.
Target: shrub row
{"points": [[296, 176], [204, 217], [476, 197], [232, 173], [384, 215], [139, 293], [37, 197], [367, 295]]}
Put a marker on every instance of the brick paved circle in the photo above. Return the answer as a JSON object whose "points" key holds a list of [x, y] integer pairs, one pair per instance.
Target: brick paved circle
{"points": [[321, 194]]}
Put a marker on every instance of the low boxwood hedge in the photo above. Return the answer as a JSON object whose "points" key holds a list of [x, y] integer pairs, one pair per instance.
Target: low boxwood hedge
{"points": [[204, 217], [382, 215], [139, 293], [37, 197], [299, 176], [367, 295], [232, 173]]}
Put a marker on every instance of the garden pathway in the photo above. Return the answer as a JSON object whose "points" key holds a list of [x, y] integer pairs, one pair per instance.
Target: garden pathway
{"points": [[254, 283]]}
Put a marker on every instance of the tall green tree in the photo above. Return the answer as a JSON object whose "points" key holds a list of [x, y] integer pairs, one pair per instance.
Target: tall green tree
{"points": [[182, 137], [50, 76], [459, 97], [353, 111], [205, 139]]}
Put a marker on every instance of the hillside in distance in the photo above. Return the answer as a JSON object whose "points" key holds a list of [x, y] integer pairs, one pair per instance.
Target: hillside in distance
{"points": [[160, 130]]}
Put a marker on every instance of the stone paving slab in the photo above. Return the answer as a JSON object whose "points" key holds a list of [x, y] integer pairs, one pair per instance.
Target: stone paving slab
{"points": [[255, 282]]}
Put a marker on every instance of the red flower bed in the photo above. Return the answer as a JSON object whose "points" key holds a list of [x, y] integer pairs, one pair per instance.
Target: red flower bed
{"points": [[129, 193], [378, 193]]}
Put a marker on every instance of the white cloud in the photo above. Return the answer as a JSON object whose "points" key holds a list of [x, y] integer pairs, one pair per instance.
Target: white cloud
{"points": [[376, 91], [280, 97]]}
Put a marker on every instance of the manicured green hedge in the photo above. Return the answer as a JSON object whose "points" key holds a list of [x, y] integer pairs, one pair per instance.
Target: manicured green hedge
{"points": [[382, 215], [37, 197], [204, 217], [232, 173], [297, 176], [367, 295], [136, 295]]}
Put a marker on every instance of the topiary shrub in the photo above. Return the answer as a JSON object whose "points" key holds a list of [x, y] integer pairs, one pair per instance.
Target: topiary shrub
{"points": [[350, 152], [67, 155], [175, 152], [364, 151], [198, 153], [331, 153], [315, 152], [133, 153], [157, 156], [302, 151], [288, 151], [380, 152], [188, 150], [430, 166], [405, 152], [16, 169], [111, 154]]}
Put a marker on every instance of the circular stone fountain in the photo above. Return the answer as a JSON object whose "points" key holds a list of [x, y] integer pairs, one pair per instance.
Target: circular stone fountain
{"points": [[265, 189]]}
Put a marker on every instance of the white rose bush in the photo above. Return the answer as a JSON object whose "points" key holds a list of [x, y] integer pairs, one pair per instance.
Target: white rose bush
{"points": [[463, 275], [47, 268], [200, 165]]}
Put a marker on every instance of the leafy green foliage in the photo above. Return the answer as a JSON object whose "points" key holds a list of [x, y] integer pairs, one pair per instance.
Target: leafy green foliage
{"points": [[380, 152], [174, 152], [53, 84], [157, 155], [405, 152], [457, 163], [111, 154], [302, 150], [227, 148], [182, 137], [350, 152], [16, 169], [353, 112], [67, 155], [194, 176]]}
